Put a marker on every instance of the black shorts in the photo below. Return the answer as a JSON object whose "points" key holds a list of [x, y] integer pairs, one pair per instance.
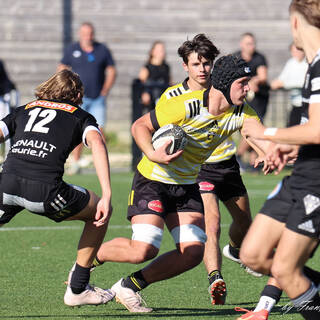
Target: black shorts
{"points": [[295, 206], [153, 197], [222, 179], [55, 201]]}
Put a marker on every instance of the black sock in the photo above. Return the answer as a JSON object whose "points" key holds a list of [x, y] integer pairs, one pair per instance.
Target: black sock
{"points": [[313, 275], [272, 292], [80, 279], [234, 251], [308, 303], [311, 311], [214, 275], [135, 281]]}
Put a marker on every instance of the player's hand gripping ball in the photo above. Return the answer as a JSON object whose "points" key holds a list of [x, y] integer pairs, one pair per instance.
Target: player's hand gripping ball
{"points": [[172, 133]]}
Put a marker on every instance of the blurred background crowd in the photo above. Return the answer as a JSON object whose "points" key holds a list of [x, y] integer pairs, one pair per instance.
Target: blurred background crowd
{"points": [[134, 44]]}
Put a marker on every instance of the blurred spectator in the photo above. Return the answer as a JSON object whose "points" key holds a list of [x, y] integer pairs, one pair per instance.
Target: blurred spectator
{"points": [[154, 76], [258, 95], [93, 62], [292, 78], [8, 100], [153, 80]]}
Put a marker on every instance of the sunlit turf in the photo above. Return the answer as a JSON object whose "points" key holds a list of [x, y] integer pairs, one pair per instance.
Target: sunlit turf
{"points": [[35, 262]]}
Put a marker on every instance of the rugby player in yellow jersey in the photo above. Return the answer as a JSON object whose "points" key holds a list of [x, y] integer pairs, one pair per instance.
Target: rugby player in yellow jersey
{"points": [[219, 177], [164, 190]]}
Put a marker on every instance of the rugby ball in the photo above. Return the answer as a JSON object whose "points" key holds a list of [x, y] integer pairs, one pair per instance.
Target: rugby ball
{"points": [[173, 133]]}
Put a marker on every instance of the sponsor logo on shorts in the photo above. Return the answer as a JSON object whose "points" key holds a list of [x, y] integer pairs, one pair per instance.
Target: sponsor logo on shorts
{"points": [[52, 105], [311, 203], [155, 205], [206, 186]]}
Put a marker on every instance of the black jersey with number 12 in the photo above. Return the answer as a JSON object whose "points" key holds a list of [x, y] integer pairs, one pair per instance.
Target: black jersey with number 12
{"points": [[44, 133]]}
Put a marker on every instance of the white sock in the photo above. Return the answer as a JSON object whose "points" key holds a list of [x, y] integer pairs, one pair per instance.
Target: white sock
{"points": [[266, 303]]}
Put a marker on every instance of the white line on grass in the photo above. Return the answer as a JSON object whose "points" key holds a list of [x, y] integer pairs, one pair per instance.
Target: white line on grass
{"points": [[224, 225]]}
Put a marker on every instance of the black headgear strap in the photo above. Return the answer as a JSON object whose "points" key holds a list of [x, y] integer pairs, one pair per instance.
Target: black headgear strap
{"points": [[226, 70]]}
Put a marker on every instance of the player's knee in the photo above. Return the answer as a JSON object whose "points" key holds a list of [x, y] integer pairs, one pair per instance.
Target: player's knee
{"points": [[193, 254], [143, 253], [281, 272], [146, 239], [251, 258], [190, 240]]}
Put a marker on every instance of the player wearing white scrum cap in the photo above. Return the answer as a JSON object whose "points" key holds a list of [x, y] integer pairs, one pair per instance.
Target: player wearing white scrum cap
{"points": [[165, 191]]}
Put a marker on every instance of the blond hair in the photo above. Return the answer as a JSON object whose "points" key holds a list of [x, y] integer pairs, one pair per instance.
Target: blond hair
{"points": [[65, 85], [309, 9]]}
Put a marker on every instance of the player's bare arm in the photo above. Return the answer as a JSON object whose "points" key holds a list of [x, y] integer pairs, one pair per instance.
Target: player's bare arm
{"points": [[101, 162], [142, 130], [307, 133], [261, 147]]}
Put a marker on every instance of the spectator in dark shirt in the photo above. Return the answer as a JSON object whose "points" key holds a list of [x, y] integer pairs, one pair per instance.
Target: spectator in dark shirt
{"points": [[93, 62], [153, 80], [154, 75]]}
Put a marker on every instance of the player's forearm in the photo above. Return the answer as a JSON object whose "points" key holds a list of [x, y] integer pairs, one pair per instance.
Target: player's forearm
{"points": [[142, 136], [101, 163], [298, 135]]}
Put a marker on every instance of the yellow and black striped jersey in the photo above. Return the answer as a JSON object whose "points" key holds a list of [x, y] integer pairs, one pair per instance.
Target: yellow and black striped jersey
{"points": [[224, 151], [205, 133]]}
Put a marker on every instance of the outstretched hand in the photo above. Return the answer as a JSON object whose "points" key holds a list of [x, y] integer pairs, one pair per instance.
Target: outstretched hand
{"points": [[281, 155]]}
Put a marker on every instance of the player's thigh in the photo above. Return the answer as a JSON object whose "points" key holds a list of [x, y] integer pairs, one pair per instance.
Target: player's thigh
{"points": [[89, 211], [147, 233], [293, 251], [262, 236]]}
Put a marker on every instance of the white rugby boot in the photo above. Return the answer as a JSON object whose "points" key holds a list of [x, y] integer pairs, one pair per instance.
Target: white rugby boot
{"points": [[226, 252], [130, 299], [91, 295]]}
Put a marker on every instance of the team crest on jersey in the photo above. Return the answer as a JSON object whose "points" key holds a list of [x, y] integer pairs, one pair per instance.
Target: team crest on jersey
{"points": [[155, 205], [52, 105], [206, 186]]}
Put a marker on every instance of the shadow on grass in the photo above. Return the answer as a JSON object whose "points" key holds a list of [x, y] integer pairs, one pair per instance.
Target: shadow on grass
{"points": [[157, 313]]}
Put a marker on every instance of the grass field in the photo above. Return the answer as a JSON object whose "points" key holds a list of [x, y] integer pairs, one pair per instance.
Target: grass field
{"points": [[36, 255]]}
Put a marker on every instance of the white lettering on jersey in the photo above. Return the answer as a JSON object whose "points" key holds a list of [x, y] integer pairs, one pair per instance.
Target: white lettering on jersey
{"points": [[34, 148]]}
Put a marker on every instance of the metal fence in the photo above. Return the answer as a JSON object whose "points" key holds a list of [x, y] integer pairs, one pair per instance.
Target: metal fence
{"points": [[278, 109]]}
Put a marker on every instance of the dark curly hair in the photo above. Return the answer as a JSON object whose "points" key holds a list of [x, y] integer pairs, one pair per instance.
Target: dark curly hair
{"points": [[200, 44]]}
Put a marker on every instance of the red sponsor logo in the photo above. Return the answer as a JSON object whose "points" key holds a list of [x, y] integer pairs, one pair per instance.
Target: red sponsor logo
{"points": [[155, 205], [206, 186], [52, 105]]}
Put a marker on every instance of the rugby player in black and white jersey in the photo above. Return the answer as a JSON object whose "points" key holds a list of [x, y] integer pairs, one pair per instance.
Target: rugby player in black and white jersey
{"points": [[44, 132], [290, 218]]}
